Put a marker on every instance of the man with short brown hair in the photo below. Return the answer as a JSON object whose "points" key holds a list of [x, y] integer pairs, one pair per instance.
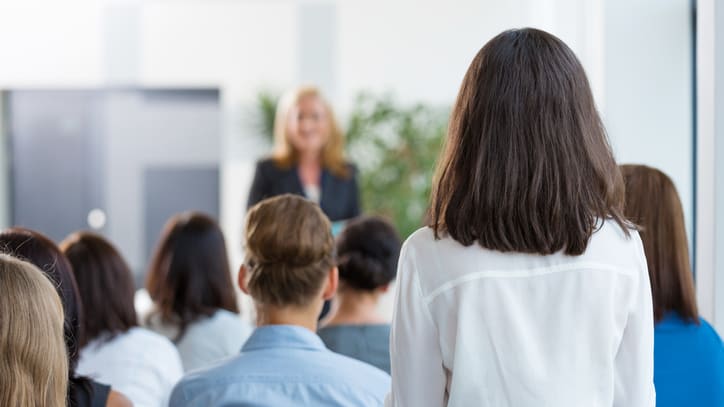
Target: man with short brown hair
{"points": [[289, 271]]}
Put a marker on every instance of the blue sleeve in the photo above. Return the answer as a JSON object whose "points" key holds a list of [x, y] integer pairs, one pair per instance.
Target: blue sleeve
{"points": [[716, 353], [711, 331]]}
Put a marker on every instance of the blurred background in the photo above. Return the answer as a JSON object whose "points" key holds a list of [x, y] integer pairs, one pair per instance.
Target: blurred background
{"points": [[116, 114]]}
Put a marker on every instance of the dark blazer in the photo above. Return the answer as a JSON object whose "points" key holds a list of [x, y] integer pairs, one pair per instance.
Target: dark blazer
{"points": [[339, 196]]}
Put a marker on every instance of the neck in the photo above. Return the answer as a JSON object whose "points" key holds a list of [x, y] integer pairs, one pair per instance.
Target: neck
{"points": [[309, 159], [357, 308], [305, 317]]}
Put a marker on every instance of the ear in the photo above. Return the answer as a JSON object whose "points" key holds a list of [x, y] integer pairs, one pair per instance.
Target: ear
{"points": [[330, 286], [242, 280], [383, 288]]}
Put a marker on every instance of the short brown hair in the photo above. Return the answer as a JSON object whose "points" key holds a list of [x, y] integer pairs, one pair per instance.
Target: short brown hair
{"points": [[527, 165], [105, 283], [289, 251], [653, 203]]}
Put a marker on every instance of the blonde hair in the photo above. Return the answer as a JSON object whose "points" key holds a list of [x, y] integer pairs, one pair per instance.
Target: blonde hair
{"points": [[285, 155], [289, 251], [33, 360]]}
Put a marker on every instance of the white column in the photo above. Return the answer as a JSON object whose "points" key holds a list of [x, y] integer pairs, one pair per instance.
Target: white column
{"points": [[705, 165], [121, 42], [316, 46], [5, 170], [718, 242]]}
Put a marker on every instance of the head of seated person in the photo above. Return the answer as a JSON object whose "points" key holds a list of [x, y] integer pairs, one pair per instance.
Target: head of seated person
{"points": [[289, 271], [367, 253], [189, 276], [190, 282], [289, 268], [688, 353], [105, 284], [35, 368], [115, 350], [653, 204], [38, 249]]}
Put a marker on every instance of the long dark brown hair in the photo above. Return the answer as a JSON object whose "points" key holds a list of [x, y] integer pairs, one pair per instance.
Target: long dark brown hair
{"points": [[653, 203], [105, 283], [189, 276], [40, 251], [527, 165]]}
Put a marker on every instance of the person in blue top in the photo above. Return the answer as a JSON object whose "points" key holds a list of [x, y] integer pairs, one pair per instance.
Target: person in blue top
{"points": [[289, 271], [688, 353]]}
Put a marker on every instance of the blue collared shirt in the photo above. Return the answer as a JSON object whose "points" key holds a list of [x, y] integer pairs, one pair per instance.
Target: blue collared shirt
{"points": [[283, 365]]}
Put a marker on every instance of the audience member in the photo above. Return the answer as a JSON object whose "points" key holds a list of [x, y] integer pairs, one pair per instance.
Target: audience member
{"points": [[141, 364], [190, 283], [688, 353], [289, 271], [33, 360], [367, 252], [37, 249], [529, 287]]}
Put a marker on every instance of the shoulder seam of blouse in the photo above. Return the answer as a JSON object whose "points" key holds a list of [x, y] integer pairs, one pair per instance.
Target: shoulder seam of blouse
{"points": [[523, 273]]}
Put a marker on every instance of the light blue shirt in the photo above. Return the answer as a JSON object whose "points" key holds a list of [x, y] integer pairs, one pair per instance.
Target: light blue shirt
{"points": [[283, 365]]}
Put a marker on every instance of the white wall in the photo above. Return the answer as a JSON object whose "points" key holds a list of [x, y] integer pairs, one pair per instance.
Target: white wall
{"points": [[648, 87], [50, 43], [718, 269], [710, 146], [422, 48]]}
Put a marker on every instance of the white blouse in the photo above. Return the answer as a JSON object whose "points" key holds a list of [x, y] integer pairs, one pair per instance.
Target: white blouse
{"points": [[313, 192], [476, 327], [206, 340], [142, 365]]}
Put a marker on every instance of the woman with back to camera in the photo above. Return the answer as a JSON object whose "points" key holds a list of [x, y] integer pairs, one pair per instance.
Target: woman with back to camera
{"points": [[39, 250], [308, 157], [190, 283], [529, 287], [688, 353], [141, 364], [33, 360], [367, 252]]}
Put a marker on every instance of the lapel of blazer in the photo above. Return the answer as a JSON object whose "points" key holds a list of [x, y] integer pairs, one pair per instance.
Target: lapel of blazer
{"points": [[294, 183], [327, 188]]}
